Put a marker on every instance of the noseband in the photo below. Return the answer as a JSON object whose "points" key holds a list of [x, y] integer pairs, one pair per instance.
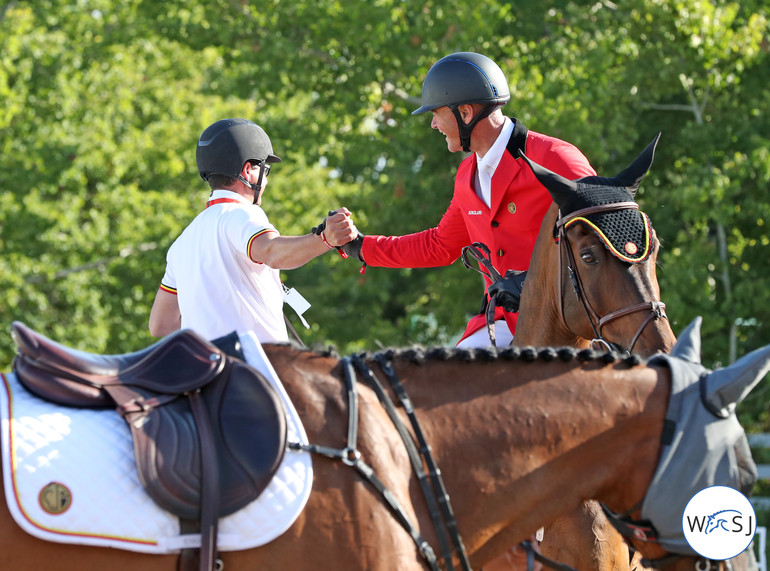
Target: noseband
{"points": [[656, 309]]}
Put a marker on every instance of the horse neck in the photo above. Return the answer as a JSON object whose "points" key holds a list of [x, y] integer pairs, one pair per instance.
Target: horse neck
{"points": [[540, 322], [521, 443]]}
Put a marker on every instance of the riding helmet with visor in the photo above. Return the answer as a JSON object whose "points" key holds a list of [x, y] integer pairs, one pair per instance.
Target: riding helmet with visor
{"points": [[226, 145], [462, 78]]}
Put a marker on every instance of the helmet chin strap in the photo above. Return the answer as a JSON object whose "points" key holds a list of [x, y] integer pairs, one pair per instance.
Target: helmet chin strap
{"points": [[258, 185], [466, 128]]}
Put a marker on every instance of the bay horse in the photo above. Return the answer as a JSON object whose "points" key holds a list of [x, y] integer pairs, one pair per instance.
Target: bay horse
{"points": [[521, 435], [594, 270], [592, 282]]}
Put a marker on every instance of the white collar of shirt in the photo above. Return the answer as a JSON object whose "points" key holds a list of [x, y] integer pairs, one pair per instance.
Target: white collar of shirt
{"points": [[222, 193], [487, 165]]}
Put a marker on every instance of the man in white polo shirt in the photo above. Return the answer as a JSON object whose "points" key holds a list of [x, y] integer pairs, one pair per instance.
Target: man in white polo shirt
{"points": [[222, 272]]}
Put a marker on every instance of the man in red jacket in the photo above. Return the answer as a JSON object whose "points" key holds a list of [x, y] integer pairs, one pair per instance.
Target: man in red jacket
{"points": [[497, 199]]}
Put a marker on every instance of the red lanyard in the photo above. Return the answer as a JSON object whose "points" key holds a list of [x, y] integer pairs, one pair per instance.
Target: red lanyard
{"points": [[220, 201]]}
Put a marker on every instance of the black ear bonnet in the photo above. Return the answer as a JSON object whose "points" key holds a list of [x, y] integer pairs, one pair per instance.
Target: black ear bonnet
{"points": [[626, 233]]}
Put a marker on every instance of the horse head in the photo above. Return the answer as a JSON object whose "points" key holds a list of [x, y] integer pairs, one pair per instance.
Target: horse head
{"points": [[605, 251]]}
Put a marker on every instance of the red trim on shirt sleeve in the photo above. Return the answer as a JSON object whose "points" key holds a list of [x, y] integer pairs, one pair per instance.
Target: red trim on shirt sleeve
{"points": [[251, 241], [168, 289]]}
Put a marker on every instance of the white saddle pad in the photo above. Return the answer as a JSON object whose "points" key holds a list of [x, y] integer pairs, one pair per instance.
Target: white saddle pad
{"points": [[70, 477]]}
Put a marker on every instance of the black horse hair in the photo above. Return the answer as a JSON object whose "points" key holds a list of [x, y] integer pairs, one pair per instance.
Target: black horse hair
{"points": [[420, 355]]}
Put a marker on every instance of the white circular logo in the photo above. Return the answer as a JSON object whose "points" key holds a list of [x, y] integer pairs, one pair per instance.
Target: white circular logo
{"points": [[719, 522]]}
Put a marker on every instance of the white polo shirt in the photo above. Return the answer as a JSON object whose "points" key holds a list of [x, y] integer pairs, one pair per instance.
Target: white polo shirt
{"points": [[219, 288]]}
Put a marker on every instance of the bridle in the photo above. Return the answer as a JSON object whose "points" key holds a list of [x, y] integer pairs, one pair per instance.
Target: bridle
{"points": [[656, 309]]}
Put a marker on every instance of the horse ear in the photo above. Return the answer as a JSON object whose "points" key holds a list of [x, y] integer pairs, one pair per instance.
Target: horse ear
{"points": [[635, 172], [558, 187], [687, 347], [727, 387]]}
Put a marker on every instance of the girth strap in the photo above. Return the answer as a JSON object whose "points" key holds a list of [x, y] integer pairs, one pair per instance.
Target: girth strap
{"points": [[209, 482]]}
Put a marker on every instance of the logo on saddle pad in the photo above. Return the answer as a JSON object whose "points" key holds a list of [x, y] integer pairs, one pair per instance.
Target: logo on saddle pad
{"points": [[55, 498]]}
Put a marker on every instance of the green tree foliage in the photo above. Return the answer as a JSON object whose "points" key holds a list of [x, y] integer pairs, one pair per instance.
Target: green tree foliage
{"points": [[104, 100]]}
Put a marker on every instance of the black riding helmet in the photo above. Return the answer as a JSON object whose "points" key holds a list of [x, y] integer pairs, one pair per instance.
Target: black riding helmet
{"points": [[226, 145], [460, 78]]}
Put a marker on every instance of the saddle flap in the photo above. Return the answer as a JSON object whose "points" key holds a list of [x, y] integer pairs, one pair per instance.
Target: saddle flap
{"points": [[249, 425]]}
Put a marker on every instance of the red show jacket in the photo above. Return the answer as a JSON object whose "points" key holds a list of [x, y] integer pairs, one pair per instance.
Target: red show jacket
{"points": [[509, 228]]}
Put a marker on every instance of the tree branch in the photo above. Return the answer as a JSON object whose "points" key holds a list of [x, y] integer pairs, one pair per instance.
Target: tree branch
{"points": [[97, 264], [389, 87]]}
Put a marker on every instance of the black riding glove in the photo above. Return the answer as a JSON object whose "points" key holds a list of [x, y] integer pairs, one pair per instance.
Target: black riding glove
{"points": [[318, 230], [353, 248], [508, 290], [350, 250]]}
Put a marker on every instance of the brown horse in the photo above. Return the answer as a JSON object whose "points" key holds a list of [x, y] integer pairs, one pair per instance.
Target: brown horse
{"points": [[589, 290], [611, 296], [520, 436]]}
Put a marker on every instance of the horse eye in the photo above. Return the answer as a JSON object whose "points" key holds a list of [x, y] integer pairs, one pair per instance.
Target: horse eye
{"points": [[588, 257]]}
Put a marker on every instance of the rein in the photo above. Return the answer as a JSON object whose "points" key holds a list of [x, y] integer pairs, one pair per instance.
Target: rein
{"points": [[656, 309], [433, 489], [480, 252]]}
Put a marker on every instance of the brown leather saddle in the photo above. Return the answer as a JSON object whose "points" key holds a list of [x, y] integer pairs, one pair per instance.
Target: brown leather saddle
{"points": [[209, 431]]}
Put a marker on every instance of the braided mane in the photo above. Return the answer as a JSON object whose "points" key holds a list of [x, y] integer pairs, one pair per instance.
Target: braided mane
{"points": [[421, 355]]}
